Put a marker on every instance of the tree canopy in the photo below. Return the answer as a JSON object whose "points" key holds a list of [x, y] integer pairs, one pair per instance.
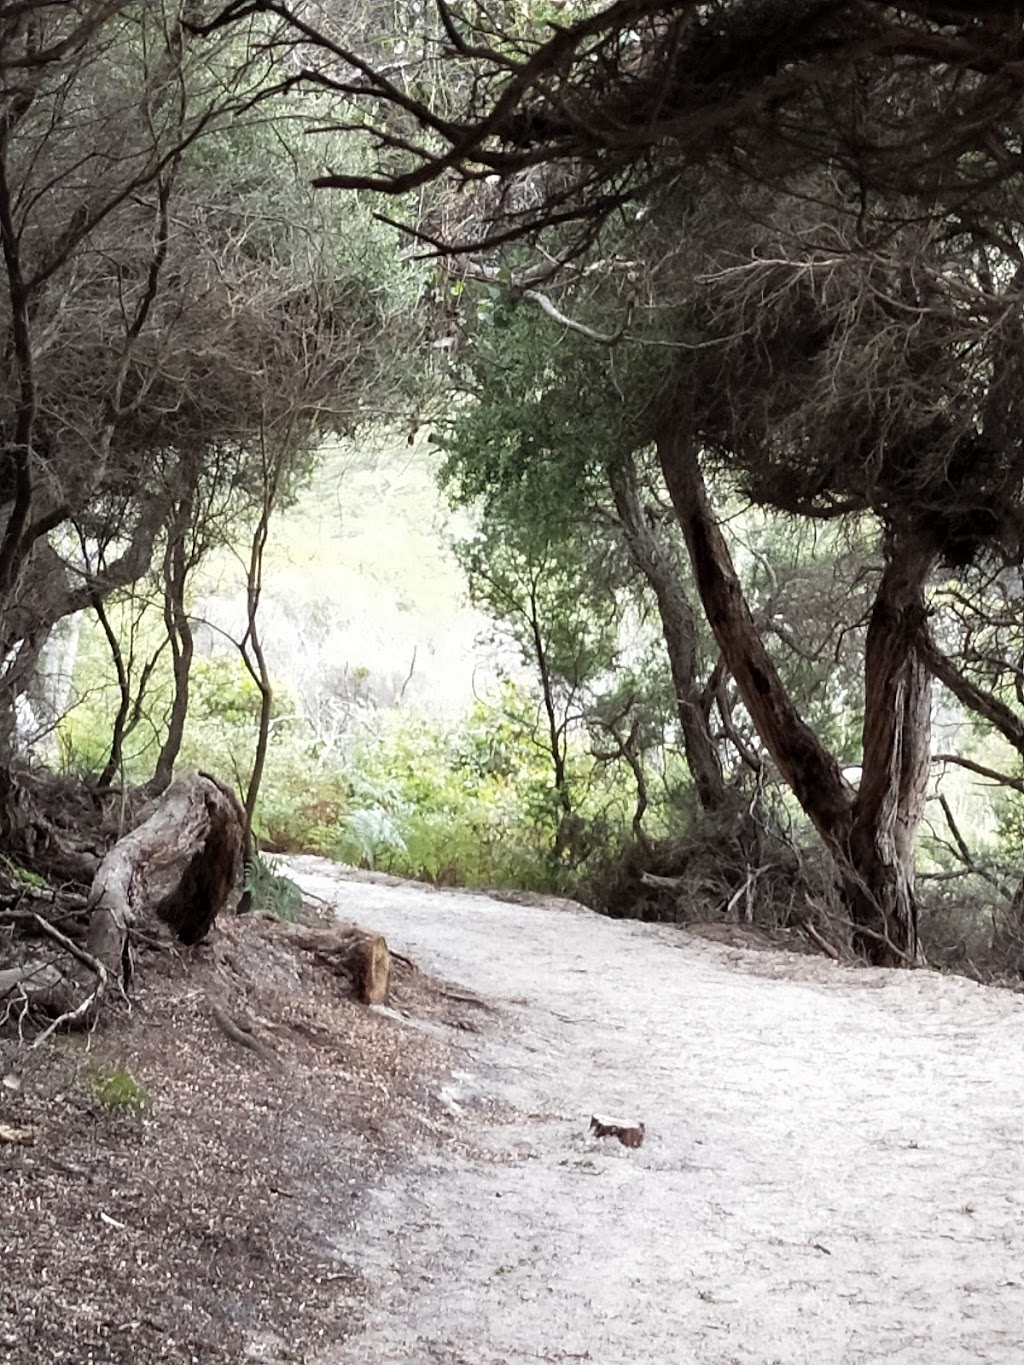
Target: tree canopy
{"points": [[685, 256]]}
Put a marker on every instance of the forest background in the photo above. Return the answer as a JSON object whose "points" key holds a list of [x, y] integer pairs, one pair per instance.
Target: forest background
{"points": [[724, 434]]}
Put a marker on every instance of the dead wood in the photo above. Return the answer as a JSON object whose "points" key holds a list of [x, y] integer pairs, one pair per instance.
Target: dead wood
{"points": [[349, 951], [659, 883], [829, 949], [175, 869], [178, 866]]}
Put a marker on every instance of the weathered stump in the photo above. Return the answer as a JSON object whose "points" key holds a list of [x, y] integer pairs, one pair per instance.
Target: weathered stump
{"points": [[363, 958], [178, 867]]}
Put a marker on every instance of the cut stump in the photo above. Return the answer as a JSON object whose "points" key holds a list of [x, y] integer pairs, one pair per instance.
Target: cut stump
{"points": [[363, 958]]}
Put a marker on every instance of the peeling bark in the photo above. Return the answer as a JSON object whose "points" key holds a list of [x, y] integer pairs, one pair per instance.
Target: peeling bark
{"points": [[179, 867], [896, 753]]}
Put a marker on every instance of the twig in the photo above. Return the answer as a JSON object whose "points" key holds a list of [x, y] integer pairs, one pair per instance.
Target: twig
{"points": [[547, 306], [954, 829], [745, 890], [965, 855], [51, 931], [80, 1011], [461, 999]]}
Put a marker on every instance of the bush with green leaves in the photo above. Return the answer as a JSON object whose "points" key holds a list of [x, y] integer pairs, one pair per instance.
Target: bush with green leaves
{"points": [[466, 800]]}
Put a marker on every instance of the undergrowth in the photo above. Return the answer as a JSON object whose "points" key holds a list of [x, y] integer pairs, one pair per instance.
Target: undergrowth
{"points": [[117, 1089], [270, 890]]}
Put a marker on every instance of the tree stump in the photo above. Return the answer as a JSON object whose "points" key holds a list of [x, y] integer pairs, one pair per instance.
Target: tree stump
{"points": [[178, 866], [349, 951]]}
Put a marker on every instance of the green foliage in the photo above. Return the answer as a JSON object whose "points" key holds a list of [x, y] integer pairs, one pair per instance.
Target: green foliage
{"points": [[270, 890], [17, 875], [464, 803], [224, 692], [548, 410], [117, 1090], [224, 704], [457, 804]]}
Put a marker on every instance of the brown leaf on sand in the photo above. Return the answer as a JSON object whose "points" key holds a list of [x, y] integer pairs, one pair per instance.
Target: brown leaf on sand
{"points": [[629, 1134]]}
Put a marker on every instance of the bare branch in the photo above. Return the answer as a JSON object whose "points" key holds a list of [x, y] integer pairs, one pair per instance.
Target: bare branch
{"points": [[1002, 779]]}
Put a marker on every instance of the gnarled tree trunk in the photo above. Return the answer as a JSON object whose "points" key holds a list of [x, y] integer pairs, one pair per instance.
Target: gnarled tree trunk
{"points": [[178, 867], [871, 834], [804, 763], [896, 753]]}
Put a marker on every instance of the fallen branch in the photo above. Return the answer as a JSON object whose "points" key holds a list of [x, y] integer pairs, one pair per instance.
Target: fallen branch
{"points": [[85, 1008], [69, 1018], [658, 883]]}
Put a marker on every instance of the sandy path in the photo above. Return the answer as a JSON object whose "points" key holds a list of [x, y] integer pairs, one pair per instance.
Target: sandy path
{"points": [[834, 1168]]}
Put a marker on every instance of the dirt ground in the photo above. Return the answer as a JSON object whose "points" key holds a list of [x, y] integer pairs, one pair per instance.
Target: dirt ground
{"points": [[168, 1195], [833, 1170]]}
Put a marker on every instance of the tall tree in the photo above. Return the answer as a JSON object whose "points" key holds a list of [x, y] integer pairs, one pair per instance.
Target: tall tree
{"points": [[166, 306]]}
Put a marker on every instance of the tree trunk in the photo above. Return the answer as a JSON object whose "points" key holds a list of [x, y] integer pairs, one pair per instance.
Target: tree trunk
{"points": [[255, 661], [679, 631], [176, 567], [19, 357], [179, 867], [556, 737], [804, 763], [870, 835], [896, 753], [124, 695]]}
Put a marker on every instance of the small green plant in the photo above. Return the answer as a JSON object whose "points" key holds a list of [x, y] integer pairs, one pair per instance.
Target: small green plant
{"points": [[117, 1089], [270, 891], [20, 876]]}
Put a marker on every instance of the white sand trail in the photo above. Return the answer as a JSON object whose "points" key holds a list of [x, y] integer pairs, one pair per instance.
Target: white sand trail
{"points": [[833, 1172]]}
